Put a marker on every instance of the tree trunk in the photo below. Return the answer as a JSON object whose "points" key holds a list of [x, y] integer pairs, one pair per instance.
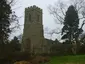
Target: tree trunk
{"points": [[74, 48]]}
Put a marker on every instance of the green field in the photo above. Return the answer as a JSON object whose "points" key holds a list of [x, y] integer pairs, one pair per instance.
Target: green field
{"points": [[78, 59]]}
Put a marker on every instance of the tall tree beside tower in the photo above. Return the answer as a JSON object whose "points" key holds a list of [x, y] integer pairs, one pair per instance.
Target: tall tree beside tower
{"points": [[71, 30], [5, 11], [6, 18], [71, 22], [71, 18]]}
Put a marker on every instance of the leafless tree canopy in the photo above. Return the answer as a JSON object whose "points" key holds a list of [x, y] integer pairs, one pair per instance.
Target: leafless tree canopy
{"points": [[14, 19], [59, 9]]}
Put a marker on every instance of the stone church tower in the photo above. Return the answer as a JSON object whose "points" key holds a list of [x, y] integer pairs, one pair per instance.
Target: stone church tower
{"points": [[33, 30]]}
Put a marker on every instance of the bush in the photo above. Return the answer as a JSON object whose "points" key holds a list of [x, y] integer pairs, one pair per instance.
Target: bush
{"points": [[82, 49], [14, 56]]}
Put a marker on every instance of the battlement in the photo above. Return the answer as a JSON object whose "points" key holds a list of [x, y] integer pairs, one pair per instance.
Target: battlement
{"points": [[34, 7]]}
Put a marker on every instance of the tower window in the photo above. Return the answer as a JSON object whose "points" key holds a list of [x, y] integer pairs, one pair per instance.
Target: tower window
{"points": [[29, 17], [38, 16]]}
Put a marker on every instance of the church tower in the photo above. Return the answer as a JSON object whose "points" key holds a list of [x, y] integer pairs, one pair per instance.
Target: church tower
{"points": [[33, 30]]}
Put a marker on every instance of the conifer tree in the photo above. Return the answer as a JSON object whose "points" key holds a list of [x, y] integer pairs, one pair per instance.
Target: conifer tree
{"points": [[71, 24], [5, 11]]}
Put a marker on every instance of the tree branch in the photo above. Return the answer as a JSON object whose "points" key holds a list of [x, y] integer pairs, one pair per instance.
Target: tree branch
{"points": [[53, 11], [82, 18], [62, 11], [11, 2], [80, 8], [58, 19], [57, 15], [82, 24], [61, 5]]}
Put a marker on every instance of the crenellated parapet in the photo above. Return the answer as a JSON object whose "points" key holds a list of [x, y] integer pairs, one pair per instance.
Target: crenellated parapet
{"points": [[34, 7]]}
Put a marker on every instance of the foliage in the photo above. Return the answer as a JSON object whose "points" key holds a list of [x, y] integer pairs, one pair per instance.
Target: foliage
{"points": [[5, 11], [7, 17], [15, 45], [10, 58], [70, 28], [76, 20], [82, 49]]}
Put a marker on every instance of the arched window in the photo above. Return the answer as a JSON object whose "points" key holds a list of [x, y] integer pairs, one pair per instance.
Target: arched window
{"points": [[29, 17], [38, 16]]}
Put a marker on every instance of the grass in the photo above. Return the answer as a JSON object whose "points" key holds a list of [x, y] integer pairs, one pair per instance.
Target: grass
{"points": [[77, 59]]}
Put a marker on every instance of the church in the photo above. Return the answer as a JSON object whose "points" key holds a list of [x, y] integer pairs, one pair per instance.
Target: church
{"points": [[33, 40], [33, 35]]}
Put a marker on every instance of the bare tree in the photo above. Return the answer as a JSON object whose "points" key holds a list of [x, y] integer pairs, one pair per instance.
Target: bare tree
{"points": [[58, 10], [13, 17], [51, 32]]}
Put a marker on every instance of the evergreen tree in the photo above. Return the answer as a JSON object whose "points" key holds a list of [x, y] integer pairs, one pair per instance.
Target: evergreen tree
{"points": [[5, 11], [15, 45], [70, 30]]}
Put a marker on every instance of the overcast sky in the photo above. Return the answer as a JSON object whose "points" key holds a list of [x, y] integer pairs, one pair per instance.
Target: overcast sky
{"points": [[48, 20]]}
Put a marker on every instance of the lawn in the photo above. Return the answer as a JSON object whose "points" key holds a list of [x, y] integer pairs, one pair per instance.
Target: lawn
{"points": [[77, 59]]}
